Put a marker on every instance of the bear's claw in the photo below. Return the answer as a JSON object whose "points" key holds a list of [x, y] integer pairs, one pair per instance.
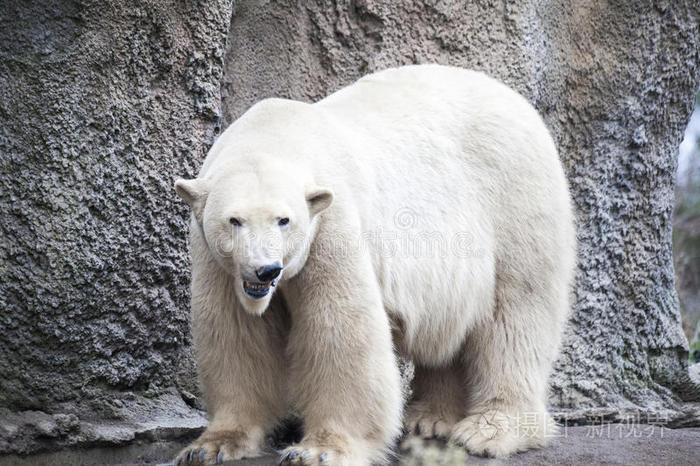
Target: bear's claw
{"points": [[215, 447], [429, 421], [197, 456], [305, 457]]}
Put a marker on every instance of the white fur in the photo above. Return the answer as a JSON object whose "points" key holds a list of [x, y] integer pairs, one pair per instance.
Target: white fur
{"points": [[426, 203]]}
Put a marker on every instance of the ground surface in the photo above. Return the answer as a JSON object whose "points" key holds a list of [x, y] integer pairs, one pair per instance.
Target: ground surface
{"points": [[610, 444]]}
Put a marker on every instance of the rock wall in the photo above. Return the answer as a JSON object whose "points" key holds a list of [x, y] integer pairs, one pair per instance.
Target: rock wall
{"points": [[103, 104]]}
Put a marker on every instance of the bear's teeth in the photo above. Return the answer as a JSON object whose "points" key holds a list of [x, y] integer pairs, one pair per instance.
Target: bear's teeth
{"points": [[257, 286]]}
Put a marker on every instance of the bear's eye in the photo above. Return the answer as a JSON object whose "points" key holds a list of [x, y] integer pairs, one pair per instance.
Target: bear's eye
{"points": [[283, 221], [234, 221]]}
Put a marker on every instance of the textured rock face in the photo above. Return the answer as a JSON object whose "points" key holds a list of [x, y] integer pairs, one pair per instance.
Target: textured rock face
{"points": [[615, 84], [103, 104]]}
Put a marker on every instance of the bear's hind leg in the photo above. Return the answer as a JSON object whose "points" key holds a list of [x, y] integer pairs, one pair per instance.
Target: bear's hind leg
{"points": [[437, 401], [508, 361]]}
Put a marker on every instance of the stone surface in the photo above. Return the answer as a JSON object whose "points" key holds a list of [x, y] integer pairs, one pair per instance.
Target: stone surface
{"points": [[134, 418], [610, 444], [103, 104]]}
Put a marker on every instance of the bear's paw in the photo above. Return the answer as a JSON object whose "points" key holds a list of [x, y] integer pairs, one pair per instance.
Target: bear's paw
{"points": [[493, 434], [325, 449], [215, 447], [426, 422]]}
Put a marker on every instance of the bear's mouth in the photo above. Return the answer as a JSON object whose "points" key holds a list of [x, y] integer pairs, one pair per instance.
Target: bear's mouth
{"points": [[257, 290]]}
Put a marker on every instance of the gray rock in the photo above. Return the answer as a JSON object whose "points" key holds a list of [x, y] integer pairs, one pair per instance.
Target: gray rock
{"points": [[102, 105], [609, 444]]}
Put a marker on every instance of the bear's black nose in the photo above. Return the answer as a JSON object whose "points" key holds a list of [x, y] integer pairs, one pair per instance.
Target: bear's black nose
{"points": [[269, 272]]}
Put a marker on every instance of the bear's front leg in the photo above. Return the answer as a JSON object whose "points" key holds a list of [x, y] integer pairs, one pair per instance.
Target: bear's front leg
{"points": [[240, 363], [240, 359], [344, 378]]}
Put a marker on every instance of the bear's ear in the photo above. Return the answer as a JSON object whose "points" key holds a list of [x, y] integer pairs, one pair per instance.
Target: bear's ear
{"points": [[318, 200], [194, 193]]}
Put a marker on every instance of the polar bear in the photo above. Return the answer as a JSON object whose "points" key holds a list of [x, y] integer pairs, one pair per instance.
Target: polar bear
{"points": [[421, 211]]}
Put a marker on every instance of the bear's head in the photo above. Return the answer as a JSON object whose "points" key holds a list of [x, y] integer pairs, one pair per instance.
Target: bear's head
{"points": [[258, 225]]}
